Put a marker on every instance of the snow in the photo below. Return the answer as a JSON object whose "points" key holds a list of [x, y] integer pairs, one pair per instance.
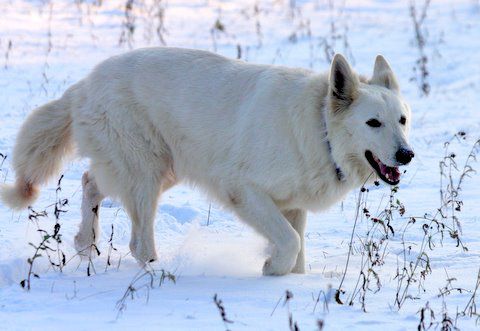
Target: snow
{"points": [[204, 246]]}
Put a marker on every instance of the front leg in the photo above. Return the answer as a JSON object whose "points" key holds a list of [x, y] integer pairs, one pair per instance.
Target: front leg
{"points": [[298, 220], [258, 210]]}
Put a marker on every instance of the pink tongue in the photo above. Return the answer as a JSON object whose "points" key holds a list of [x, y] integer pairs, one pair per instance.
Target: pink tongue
{"points": [[393, 173], [383, 169]]}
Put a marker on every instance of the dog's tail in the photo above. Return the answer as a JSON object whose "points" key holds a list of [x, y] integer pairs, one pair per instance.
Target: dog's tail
{"points": [[43, 142]]}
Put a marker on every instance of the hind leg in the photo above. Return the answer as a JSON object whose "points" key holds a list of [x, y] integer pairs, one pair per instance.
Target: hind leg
{"points": [[141, 209], [141, 205], [89, 231], [298, 219]]}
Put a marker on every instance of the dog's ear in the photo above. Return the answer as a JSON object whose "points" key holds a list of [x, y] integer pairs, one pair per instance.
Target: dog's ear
{"points": [[343, 84], [383, 75]]}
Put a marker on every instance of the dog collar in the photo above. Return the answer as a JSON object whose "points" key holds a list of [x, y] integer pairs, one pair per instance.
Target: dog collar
{"points": [[338, 170]]}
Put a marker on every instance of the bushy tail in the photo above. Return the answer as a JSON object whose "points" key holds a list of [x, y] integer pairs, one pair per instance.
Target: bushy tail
{"points": [[45, 138]]}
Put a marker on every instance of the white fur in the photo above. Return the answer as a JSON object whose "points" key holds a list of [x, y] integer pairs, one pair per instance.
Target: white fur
{"points": [[14, 196], [88, 233], [253, 136]]}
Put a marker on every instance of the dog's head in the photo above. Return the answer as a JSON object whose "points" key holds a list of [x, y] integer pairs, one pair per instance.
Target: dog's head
{"points": [[368, 121]]}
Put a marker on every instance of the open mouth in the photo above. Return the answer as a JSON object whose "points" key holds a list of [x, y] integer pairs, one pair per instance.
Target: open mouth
{"points": [[390, 175]]}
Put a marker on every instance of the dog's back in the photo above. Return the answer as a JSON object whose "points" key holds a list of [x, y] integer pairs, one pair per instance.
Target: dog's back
{"points": [[221, 119]]}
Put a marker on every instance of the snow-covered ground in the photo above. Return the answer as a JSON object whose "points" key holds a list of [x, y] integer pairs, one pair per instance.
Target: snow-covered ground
{"points": [[47, 45]]}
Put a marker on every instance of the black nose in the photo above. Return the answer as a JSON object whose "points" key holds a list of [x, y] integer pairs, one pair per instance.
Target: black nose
{"points": [[404, 156]]}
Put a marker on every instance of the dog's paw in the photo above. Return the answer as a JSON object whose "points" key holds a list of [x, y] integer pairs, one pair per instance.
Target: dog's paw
{"points": [[272, 267], [143, 259], [85, 246], [142, 253], [280, 264], [299, 267], [284, 258]]}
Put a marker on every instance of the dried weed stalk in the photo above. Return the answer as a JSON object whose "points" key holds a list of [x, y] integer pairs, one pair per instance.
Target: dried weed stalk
{"points": [[147, 278]]}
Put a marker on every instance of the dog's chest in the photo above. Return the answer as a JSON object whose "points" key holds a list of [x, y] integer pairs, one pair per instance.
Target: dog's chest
{"points": [[315, 194]]}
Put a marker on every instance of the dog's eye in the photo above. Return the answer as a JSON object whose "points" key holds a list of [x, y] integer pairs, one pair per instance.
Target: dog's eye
{"points": [[403, 120], [374, 123]]}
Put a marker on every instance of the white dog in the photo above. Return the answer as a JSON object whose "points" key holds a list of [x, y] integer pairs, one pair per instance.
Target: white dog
{"points": [[268, 142]]}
